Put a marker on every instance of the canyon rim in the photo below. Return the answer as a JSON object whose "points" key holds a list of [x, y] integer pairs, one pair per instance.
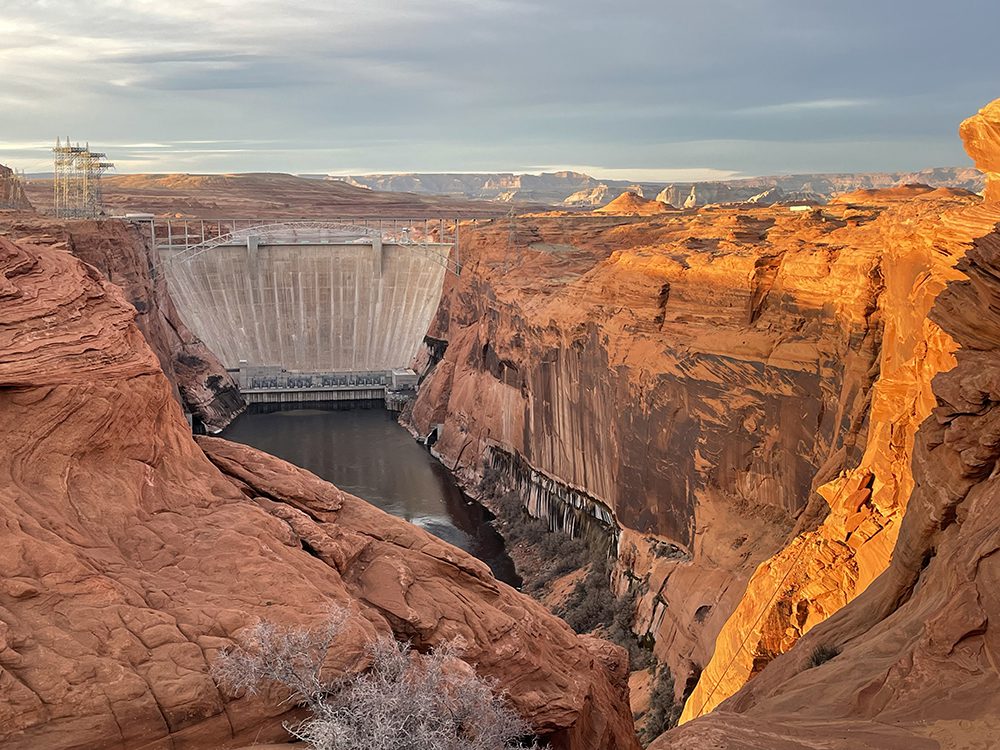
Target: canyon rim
{"points": [[702, 458]]}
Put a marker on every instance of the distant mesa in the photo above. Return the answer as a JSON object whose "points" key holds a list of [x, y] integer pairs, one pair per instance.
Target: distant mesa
{"points": [[632, 204], [906, 192], [588, 197], [576, 190], [768, 197]]}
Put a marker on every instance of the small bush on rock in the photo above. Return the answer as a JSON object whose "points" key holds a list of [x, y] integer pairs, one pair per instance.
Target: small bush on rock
{"points": [[593, 605], [404, 700], [558, 553]]}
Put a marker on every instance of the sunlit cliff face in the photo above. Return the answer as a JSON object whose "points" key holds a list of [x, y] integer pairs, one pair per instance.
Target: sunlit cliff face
{"points": [[791, 355]]}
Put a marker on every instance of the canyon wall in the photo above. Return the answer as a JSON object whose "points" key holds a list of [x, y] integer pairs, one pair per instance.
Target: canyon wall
{"points": [[737, 390], [823, 568], [12, 195], [574, 189], [122, 254], [131, 553], [912, 661], [595, 347]]}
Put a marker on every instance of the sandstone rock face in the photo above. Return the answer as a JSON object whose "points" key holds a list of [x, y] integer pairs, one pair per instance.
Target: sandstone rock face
{"points": [[121, 253], [12, 195], [917, 666], [981, 134], [823, 568], [732, 394], [632, 204], [129, 556]]}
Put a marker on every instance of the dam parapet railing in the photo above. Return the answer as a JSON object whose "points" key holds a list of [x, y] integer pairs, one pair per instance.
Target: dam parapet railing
{"points": [[178, 241], [179, 234]]}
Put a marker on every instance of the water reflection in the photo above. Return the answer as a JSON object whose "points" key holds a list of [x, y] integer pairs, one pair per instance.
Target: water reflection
{"points": [[365, 452]]}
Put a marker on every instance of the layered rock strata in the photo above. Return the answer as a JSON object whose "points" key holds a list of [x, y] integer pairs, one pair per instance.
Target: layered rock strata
{"points": [[912, 661], [123, 255], [130, 556], [12, 195], [738, 388]]}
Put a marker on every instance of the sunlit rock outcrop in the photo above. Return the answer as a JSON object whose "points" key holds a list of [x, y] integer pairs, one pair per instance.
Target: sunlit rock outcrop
{"points": [[739, 391], [632, 204], [911, 661], [981, 134]]}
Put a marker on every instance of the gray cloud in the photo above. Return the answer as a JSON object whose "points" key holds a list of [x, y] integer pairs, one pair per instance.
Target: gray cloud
{"points": [[749, 86]]}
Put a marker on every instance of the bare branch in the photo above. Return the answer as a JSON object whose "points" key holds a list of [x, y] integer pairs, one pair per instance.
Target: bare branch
{"points": [[405, 700]]}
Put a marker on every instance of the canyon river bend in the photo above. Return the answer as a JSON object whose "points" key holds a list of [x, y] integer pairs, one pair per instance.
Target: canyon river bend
{"points": [[364, 451]]}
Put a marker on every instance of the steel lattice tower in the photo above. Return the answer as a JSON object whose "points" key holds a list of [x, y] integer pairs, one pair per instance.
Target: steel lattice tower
{"points": [[76, 182]]}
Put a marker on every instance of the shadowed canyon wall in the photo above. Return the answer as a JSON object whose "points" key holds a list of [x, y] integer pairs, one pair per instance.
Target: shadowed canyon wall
{"points": [[131, 553], [311, 308], [740, 389]]}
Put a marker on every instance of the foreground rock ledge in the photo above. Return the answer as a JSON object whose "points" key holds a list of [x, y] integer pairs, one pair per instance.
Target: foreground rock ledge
{"points": [[129, 558]]}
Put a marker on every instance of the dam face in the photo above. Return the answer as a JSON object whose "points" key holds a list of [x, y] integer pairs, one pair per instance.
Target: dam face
{"points": [[310, 307]]}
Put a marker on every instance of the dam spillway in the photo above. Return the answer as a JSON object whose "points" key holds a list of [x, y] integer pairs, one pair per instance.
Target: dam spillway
{"points": [[309, 306]]}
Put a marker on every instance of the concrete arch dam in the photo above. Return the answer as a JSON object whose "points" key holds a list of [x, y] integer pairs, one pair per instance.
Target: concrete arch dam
{"points": [[308, 305]]}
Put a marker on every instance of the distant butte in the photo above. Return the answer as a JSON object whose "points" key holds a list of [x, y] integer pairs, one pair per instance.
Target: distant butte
{"points": [[630, 204]]}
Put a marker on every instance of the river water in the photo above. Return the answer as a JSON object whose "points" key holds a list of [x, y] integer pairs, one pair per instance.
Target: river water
{"points": [[364, 451]]}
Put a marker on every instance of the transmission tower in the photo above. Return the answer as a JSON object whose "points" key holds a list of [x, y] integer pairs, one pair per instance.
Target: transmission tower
{"points": [[76, 182]]}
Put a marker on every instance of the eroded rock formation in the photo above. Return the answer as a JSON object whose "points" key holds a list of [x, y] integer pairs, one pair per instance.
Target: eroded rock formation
{"points": [[981, 134], [738, 391], [914, 657], [632, 204], [129, 556], [120, 252], [12, 195]]}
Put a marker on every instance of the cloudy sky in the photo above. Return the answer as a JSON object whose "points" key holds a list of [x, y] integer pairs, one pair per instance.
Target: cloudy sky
{"points": [[680, 89]]}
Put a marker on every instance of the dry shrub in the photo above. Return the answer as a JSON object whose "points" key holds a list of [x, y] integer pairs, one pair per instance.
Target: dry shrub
{"points": [[405, 700]]}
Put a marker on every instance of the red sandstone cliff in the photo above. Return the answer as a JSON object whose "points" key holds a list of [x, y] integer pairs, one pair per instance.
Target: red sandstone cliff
{"points": [[735, 394], [130, 553], [120, 252], [631, 204], [918, 661], [12, 195]]}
